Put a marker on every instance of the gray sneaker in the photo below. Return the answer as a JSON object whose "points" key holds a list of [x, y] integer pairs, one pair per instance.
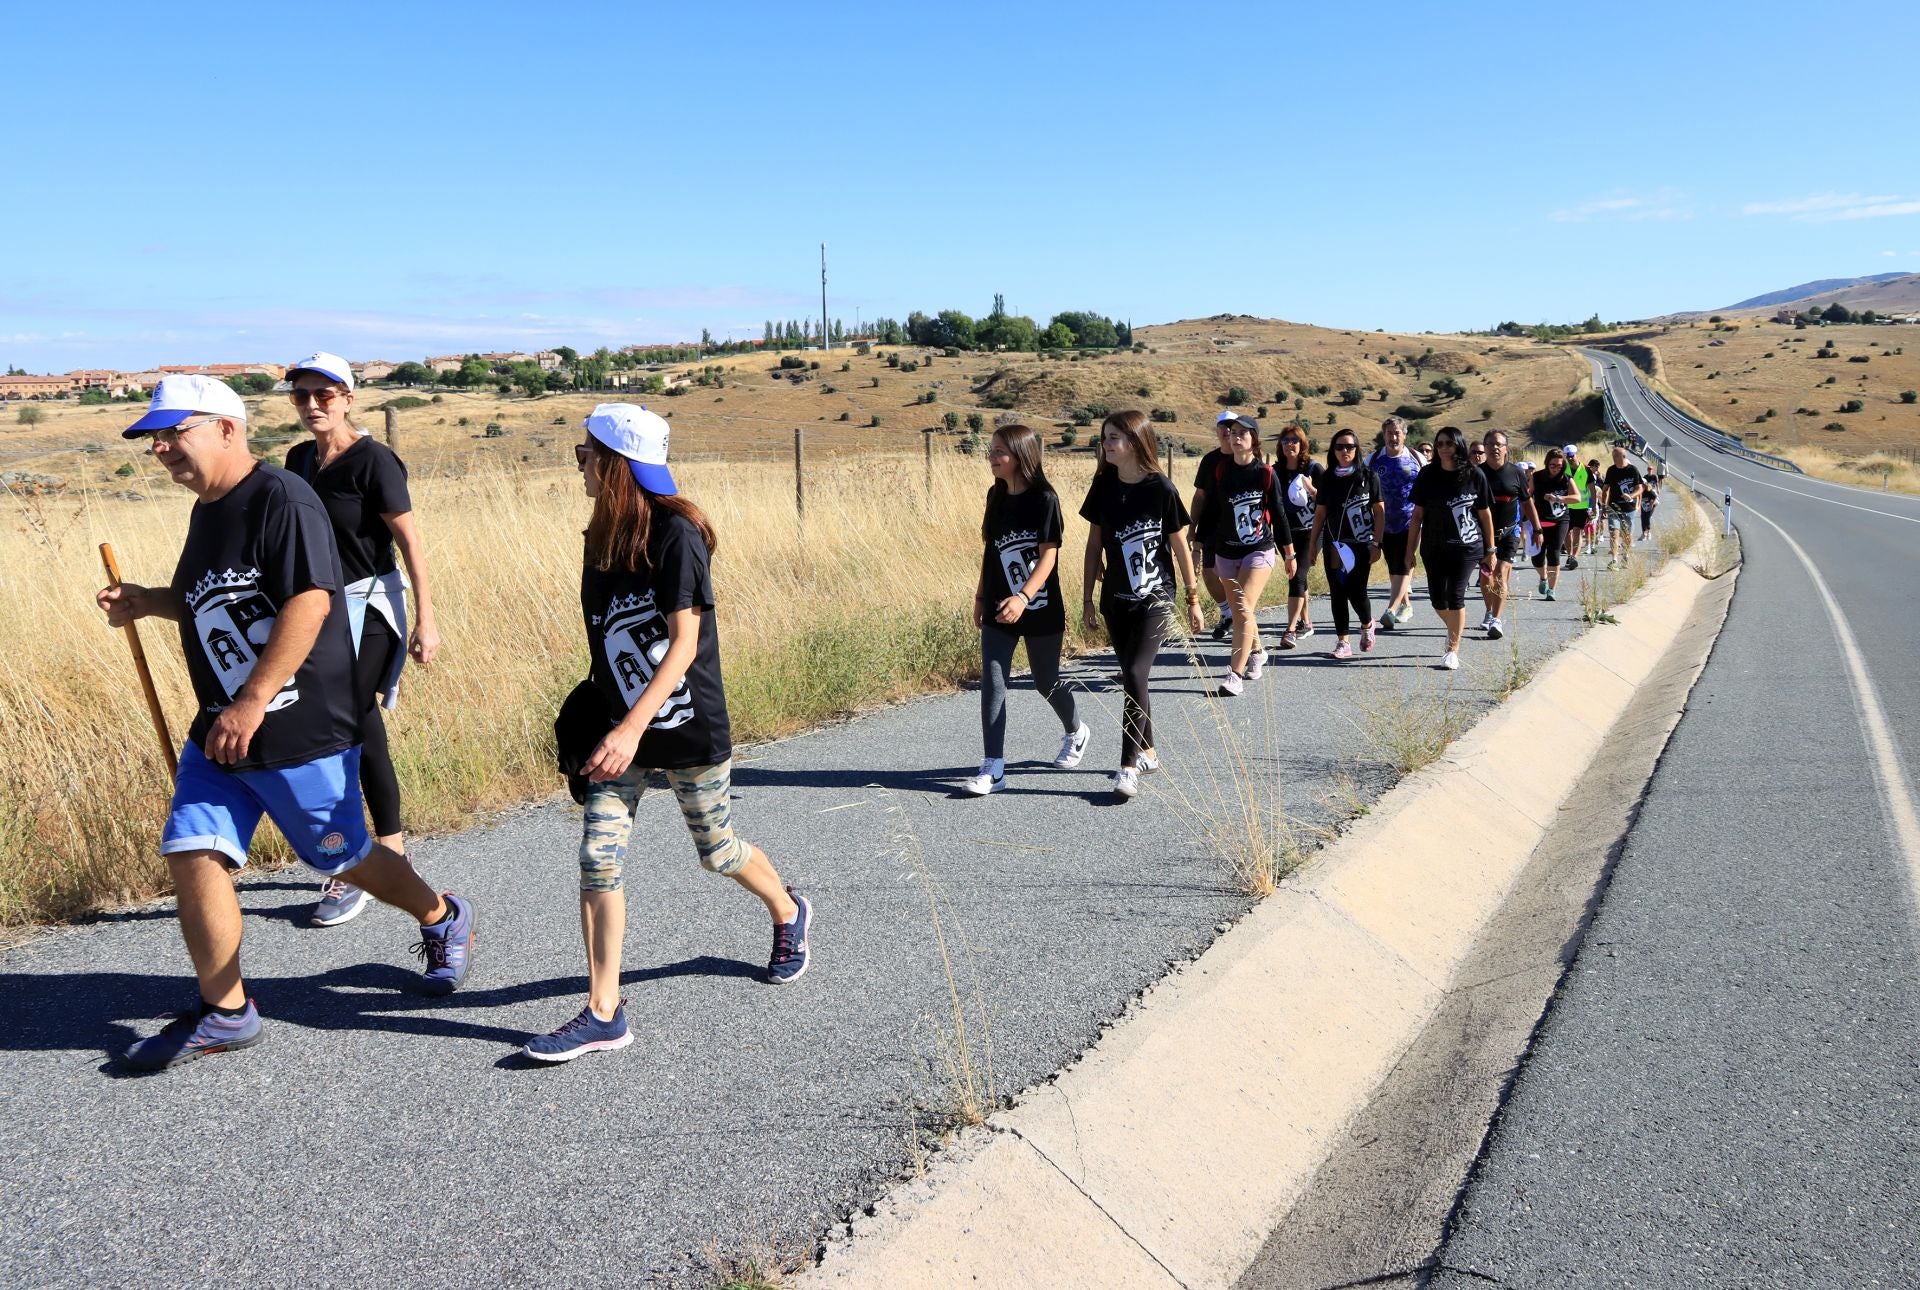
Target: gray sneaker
{"points": [[339, 902]]}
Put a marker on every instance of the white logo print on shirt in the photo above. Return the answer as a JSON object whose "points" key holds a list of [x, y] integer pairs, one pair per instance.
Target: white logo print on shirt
{"points": [[1019, 553], [1250, 517], [232, 619], [635, 643], [1140, 550], [1463, 519]]}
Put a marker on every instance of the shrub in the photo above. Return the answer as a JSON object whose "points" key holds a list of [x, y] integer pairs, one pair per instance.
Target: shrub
{"points": [[88, 398], [1188, 450], [910, 366], [976, 422], [1080, 418], [813, 365], [828, 389], [1164, 414], [1486, 414], [893, 359], [1235, 395], [1333, 418], [874, 420], [30, 414], [1261, 412], [951, 421], [846, 416], [1069, 437], [462, 421], [1857, 358], [1833, 425], [404, 402], [949, 352], [926, 396], [126, 470], [1910, 396], [1350, 396], [1411, 411], [970, 444], [495, 430], [788, 362], [846, 367], [1099, 411], [1144, 392], [875, 385], [1852, 405], [436, 399]]}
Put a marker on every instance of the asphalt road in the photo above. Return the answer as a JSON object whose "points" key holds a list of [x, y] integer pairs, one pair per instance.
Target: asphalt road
{"points": [[379, 1138], [1726, 1090]]}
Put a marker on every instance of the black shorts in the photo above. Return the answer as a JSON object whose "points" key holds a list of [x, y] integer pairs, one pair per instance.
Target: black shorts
{"points": [[1507, 545], [1577, 520], [1394, 547], [1206, 558], [1449, 570]]}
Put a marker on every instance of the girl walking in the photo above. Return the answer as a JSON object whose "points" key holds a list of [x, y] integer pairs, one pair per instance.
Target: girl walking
{"points": [[1300, 488], [363, 485], [1348, 521], [1554, 494], [654, 701], [1245, 525], [1452, 529], [1018, 596], [1137, 538]]}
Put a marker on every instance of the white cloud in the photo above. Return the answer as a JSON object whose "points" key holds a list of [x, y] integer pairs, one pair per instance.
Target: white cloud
{"points": [[1824, 208], [1890, 253], [1665, 204]]}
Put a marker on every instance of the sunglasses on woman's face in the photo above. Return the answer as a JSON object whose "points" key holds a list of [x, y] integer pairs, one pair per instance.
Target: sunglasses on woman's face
{"points": [[1346, 447], [581, 452], [326, 398]]}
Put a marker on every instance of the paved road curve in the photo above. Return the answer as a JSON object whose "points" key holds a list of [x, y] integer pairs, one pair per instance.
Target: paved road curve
{"points": [[379, 1138], [1726, 1090]]}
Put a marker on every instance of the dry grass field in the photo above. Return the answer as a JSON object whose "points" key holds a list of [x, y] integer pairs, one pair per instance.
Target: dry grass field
{"points": [[82, 787], [1766, 382]]}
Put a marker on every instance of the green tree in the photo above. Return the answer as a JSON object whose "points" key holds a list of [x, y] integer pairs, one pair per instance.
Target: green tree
{"points": [[1007, 331], [410, 374], [1057, 336], [1910, 396], [30, 414], [1837, 313], [976, 422], [527, 377], [568, 355]]}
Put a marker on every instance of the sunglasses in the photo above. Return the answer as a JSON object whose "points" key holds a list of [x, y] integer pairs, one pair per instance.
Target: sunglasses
{"points": [[1346, 447], [172, 434], [581, 452], [325, 398]]}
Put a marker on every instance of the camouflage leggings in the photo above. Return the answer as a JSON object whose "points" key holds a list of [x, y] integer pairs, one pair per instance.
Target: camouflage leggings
{"points": [[704, 794]]}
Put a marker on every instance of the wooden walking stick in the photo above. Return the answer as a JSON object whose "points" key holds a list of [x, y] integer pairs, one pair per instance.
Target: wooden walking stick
{"points": [[140, 666]]}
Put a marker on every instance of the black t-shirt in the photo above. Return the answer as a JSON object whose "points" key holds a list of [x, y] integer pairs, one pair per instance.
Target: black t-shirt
{"points": [[1507, 485], [1017, 526], [1203, 482], [1244, 512], [1550, 497], [626, 616], [1449, 512], [1136, 523], [358, 487], [1348, 500], [1650, 493], [1300, 512], [1623, 487], [246, 556]]}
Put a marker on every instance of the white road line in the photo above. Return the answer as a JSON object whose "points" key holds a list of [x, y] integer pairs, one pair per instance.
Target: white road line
{"points": [[1895, 789]]}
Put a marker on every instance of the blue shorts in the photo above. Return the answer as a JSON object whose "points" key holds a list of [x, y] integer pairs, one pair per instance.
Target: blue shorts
{"points": [[315, 804]]}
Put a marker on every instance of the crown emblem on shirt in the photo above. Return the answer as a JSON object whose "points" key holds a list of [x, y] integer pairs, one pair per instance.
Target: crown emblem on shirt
{"points": [[630, 604], [230, 580]]}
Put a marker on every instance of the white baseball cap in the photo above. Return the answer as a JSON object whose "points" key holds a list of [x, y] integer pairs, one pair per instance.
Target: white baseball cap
{"points": [[638, 435], [328, 365], [176, 398], [1572, 451]]}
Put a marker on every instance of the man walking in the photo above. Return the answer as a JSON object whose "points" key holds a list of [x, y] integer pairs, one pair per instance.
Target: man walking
{"points": [[1396, 467], [1512, 500], [258, 594], [1622, 491]]}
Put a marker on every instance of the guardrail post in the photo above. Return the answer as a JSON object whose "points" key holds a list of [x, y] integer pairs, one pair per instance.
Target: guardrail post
{"points": [[1726, 515]]}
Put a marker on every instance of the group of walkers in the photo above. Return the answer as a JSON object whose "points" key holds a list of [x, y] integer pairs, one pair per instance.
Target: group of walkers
{"points": [[292, 616], [290, 600], [1467, 512]]}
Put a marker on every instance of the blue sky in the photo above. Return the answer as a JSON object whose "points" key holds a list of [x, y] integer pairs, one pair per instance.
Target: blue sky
{"points": [[392, 181]]}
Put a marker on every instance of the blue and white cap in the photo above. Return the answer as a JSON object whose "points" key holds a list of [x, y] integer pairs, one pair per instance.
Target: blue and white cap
{"points": [[331, 366], [1343, 553], [176, 398], [638, 435]]}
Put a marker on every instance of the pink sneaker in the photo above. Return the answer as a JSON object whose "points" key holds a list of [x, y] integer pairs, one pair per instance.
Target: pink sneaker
{"points": [[1343, 650], [1366, 638]]}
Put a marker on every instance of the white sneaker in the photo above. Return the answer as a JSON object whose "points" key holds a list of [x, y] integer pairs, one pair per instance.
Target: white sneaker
{"points": [[1495, 629], [1148, 763], [1256, 663], [1450, 661], [991, 779], [1073, 748], [340, 902], [1232, 683], [1126, 781], [1485, 619]]}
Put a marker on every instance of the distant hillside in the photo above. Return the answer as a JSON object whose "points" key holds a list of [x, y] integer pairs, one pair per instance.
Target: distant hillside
{"points": [[1806, 289]]}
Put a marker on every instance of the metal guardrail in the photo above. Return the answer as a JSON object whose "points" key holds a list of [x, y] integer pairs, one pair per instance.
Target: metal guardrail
{"points": [[1717, 439]]}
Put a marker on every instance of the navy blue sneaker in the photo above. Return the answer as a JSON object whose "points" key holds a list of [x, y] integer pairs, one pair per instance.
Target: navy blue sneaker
{"points": [[446, 949], [197, 1032], [585, 1034], [790, 949]]}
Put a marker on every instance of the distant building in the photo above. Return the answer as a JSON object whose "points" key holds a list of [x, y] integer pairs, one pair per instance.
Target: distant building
{"points": [[1784, 314], [376, 370], [443, 363], [548, 360], [34, 387]]}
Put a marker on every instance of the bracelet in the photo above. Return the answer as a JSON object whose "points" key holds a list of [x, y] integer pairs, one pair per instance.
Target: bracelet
{"points": [[1024, 596]]}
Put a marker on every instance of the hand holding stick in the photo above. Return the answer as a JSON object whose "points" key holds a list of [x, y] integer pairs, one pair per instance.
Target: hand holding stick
{"points": [[140, 665]]}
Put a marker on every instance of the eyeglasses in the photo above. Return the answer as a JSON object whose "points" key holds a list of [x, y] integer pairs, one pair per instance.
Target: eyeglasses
{"points": [[581, 452], [171, 435], [1346, 447], [326, 398]]}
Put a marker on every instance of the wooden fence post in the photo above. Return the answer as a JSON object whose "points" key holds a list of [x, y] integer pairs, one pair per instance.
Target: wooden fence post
{"points": [[799, 472], [1169, 459], [926, 439], [393, 429]]}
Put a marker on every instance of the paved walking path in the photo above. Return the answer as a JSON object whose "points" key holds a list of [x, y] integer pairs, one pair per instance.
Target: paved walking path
{"points": [[382, 1138]]}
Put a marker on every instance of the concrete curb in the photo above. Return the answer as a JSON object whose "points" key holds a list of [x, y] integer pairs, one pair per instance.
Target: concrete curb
{"points": [[1164, 1157]]}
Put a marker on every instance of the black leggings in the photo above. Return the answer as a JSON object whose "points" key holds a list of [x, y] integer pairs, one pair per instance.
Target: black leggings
{"points": [[1349, 590], [1549, 557], [1449, 569], [996, 665], [1137, 632], [378, 784]]}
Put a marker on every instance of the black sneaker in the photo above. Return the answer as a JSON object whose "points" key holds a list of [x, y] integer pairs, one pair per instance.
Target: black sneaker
{"points": [[1221, 628], [790, 945]]}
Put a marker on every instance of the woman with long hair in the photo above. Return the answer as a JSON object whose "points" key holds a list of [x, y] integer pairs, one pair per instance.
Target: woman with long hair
{"points": [[1300, 487], [1197, 511], [1248, 530], [653, 702], [1018, 596], [1554, 495], [1452, 530], [1138, 537], [1348, 521], [362, 484]]}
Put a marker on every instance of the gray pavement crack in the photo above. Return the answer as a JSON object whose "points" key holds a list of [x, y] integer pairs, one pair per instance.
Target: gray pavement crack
{"points": [[1104, 1211]]}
